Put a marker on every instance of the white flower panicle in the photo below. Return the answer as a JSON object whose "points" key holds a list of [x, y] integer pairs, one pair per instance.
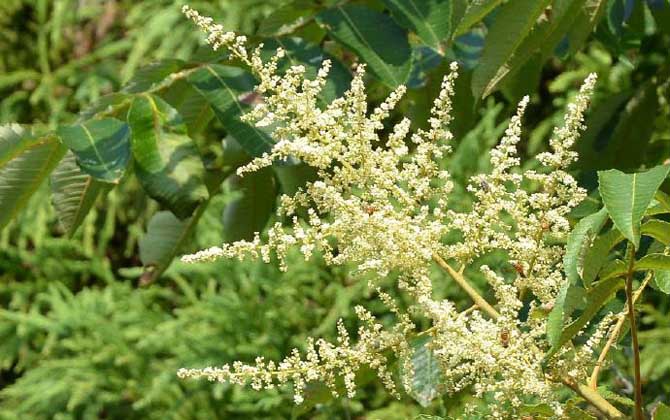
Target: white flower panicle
{"points": [[382, 206]]}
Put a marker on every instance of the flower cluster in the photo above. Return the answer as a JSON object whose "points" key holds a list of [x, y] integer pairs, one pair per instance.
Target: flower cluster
{"points": [[381, 204]]}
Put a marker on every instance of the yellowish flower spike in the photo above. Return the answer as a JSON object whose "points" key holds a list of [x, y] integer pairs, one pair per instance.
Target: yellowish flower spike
{"points": [[383, 206]]}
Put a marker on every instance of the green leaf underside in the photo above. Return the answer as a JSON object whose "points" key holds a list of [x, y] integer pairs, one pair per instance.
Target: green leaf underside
{"points": [[627, 197], [374, 37], [427, 380], [661, 281], [512, 24], [248, 214], [168, 164], [430, 20], [222, 87], [102, 147], [22, 176], [596, 298], [73, 192]]}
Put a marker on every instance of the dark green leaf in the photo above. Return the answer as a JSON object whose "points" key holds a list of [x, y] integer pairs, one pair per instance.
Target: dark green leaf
{"points": [[584, 22], [73, 192], [21, 176], [249, 214], [102, 147], [627, 197], [222, 87], [512, 25], [430, 20], [374, 37], [165, 237], [167, 161]]}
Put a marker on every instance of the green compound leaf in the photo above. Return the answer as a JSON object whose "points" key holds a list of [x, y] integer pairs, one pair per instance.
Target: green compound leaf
{"points": [[222, 86], [22, 176], [374, 37], [428, 379], [627, 197], [102, 147], [512, 25], [168, 164], [249, 214], [430, 20], [73, 192]]}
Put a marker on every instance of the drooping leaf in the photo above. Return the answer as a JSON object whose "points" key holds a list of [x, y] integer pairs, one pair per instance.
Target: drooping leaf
{"points": [[627, 196], [102, 147], [512, 25], [584, 231], [597, 254], [21, 176], [525, 64], [596, 298], [165, 237], [430, 20], [374, 37], [427, 382], [222, 86], [475, 12], [584, 23], [168, 164], [581, 236], [73, 192], [249, 214], [657, 229]]}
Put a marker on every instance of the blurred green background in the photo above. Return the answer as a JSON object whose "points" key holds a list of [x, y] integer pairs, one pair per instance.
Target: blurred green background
{"points": [[84, 334]]}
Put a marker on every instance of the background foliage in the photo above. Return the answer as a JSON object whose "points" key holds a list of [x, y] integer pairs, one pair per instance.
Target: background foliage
{"points": [[96, 319]]}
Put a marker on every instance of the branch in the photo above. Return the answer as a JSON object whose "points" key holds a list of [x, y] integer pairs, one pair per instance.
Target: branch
{"points": [[590, 395], [474, 295], [593, 382]]}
